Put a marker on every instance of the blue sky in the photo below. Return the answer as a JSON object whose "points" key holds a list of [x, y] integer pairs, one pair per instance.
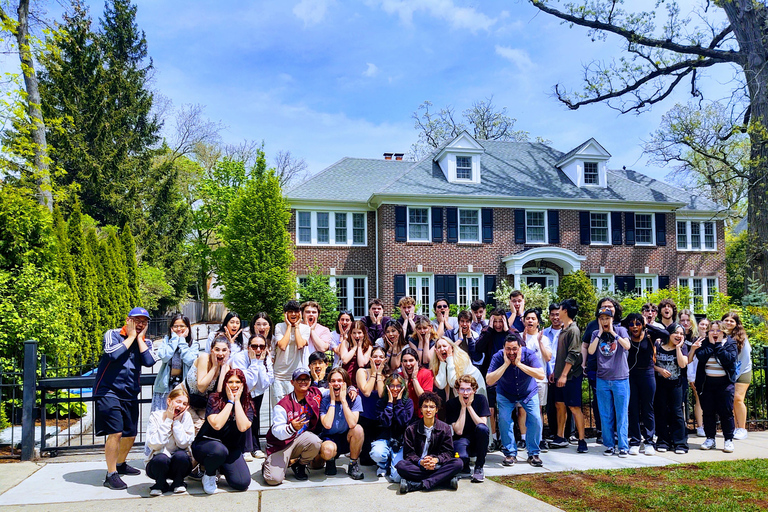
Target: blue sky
{"points": [[329, 78]]}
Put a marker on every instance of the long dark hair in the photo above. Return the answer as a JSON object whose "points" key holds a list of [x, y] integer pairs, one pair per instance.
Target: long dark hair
{"points": [[179, 316], [238, 340], [351, 320], [252, 325], [219, 399], [401, 342]]}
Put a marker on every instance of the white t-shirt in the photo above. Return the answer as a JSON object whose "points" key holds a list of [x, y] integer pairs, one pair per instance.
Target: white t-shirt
{"points": [[532, 342], [288, 360]]}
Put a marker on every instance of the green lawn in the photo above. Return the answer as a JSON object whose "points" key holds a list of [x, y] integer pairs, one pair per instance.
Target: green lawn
{"points": [[705, 487]]}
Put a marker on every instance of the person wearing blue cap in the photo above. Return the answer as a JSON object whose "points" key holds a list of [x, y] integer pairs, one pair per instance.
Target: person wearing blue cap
{"points": [[117, 390]]}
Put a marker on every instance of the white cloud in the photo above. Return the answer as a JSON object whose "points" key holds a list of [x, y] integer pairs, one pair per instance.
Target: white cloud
{"points": [[371, 71], [311, 12], [519, 58], [458, 17]]}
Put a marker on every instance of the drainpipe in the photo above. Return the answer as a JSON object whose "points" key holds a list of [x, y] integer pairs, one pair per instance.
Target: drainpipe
{"points": [[376, 246]]}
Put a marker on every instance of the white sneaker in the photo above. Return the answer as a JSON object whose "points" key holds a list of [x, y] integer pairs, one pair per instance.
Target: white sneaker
{"points": [[708, 444], [634, 450], [209, 484], [247, 457], [259, 454], [700, 432], [728, 448], [739, 434], [381, 472], [156, 492], [650, 450], [680, 451]]}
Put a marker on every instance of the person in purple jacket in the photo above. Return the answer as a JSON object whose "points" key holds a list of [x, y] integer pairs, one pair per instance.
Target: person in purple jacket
{"points": [[117, 390], [375, 321]]}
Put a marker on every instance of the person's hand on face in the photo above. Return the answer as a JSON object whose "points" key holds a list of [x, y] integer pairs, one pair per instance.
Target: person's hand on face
{"points": [[230, 394], [130, 327]]}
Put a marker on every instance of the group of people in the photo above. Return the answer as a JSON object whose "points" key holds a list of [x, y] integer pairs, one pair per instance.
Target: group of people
{"points": [[417, 398]]}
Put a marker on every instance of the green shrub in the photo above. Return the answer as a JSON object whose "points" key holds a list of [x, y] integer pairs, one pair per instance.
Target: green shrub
{"points": [[64, 409], [317, 287]]}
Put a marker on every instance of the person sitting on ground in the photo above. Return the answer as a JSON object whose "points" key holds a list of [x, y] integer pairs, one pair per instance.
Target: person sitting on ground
{"points": [[318, 364], [468, 414], [290, 349], [339, 413], [116, 393], [423, 340], [444, 324], [169, 436], [393, 343], [232, 328], [220, 443], [407, 307], [178, 353], [319, 335], [375, 321], [428, 454], [450, 363], [417, 379], [394, 412], [294, 431]]}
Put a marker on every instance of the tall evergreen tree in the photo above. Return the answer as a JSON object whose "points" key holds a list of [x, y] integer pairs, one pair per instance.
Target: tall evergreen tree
{"points": [[128, 244], [87, 286], [67, 272]]}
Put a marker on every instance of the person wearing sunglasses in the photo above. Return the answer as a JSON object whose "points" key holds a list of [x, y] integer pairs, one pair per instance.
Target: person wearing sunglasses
{"points": [[259, 375], [642, 386], [444, 324]]}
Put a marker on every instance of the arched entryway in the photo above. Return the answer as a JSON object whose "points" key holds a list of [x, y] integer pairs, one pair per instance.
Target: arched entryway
{"points": [[542, 265]]}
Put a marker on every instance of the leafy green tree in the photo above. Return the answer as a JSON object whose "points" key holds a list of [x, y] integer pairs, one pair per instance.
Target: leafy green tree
{"points": [[577, 285], [153, 286], [317, 287], [736, 263], [255, 259], [26, 230]]}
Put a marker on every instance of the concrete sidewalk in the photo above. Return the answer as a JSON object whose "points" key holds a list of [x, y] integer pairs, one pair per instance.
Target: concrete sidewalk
{"points": [[77, 484]]}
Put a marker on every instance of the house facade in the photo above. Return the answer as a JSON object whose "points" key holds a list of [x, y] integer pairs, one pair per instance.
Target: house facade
{"points": [[475, 212]]}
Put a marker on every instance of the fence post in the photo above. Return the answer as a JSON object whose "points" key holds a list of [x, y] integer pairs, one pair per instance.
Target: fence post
{"points": [[28, 400]]}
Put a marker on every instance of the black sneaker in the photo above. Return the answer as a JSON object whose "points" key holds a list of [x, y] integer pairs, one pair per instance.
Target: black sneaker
{"points": [[582, 446], [535, 461], [330, 467], [354, 471], [407, 486], [509, 460], [558, 442], [521, 444], [197, 473], [125, 469], [543, 446], [114, 481], [300, 471], [454, 483], [495, 445]]}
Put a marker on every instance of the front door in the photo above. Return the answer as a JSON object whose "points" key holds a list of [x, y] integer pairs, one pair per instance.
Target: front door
{"points": [[540, 280]]}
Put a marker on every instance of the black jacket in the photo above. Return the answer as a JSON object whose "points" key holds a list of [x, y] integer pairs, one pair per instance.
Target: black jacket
{"points": [[440, 445], [726, 354]]}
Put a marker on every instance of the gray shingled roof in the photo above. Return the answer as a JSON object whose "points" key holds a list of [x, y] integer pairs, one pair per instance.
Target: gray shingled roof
{"points": [[508, 169], [578, 148]]}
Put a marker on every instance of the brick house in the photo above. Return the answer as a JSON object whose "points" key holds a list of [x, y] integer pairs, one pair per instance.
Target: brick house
{"points": [[474, 212]]}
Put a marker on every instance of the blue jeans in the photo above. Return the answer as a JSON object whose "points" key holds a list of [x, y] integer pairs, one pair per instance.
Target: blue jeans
{"points": [[507, 426], [382, 453], [613, 402]]}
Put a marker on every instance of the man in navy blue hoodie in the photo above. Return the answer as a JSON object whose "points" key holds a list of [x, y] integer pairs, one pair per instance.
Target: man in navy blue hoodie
{"points": [[116, 392]]}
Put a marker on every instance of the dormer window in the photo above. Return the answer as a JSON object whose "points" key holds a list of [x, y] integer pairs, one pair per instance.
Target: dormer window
{"points": [[464, 168], [586, 165], [591, 176]]}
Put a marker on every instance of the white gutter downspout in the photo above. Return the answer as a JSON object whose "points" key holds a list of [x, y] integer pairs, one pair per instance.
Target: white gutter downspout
{"points": [[376, 246]]}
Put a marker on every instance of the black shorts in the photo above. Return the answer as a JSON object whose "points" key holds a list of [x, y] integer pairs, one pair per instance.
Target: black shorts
{"points": [[570, 394], [491, 391], [342, 445], [115, 416]]}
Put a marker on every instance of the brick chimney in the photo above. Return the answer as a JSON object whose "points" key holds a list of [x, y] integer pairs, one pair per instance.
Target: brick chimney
{"points": [[388, 156], [399, 156]]}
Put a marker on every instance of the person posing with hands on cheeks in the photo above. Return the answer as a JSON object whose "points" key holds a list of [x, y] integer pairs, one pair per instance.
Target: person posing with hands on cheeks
{"points": [[375, 321], [169, 436], [407, 307], [319, 335], [220, 443], [534, 339], [206, 377], [116, 393], [232, 328], [444, 324], [691, 370], [450, 363], [318, 364], [178, 353], [339, 413], [514, 370], [290, 349], [428, 456], [417, 379], [394, 412], [423, 340], [642, 386], [356, 349], [393, 343], [464, 336], [479, 321], [370, 384], [343, 328], [516, 310], [468, 415]]}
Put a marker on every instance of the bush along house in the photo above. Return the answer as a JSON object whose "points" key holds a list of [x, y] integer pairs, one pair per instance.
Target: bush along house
{"points": [[475, 212]]}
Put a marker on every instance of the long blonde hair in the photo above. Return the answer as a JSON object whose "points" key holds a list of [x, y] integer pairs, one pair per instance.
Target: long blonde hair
{"points": [[460, 358]]}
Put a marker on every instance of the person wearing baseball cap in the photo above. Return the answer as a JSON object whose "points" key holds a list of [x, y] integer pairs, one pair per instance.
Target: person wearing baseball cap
{"points": [[117, 390]]}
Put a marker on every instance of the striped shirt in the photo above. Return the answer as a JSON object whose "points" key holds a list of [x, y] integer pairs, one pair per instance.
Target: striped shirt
{"points": [[713, 368]]}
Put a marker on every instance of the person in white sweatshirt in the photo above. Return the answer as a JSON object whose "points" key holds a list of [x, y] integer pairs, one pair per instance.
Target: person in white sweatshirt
{"points": [[169, 436]]}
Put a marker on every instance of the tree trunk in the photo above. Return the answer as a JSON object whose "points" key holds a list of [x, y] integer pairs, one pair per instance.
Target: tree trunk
{"points": [[749, 19], [43, 178]]}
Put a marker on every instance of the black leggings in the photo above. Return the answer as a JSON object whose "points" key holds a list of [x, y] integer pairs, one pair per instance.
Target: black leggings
{"points": [[162, 467], [212, 454]]}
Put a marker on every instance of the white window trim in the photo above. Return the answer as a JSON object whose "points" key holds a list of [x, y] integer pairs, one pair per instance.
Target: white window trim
{"points": [[546, 228], [655, 285], [705, 298], [350, 306], [611, 281], [689, 233], [653, 230], [408, 223], [584, 173], [424, 309], [602, 244], [479, 239], [471, 169], [332, 229], [480, 287]]}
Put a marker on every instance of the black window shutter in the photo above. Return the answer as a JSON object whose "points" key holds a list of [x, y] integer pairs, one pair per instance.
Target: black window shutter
{"points": [[616, 228], [553, 226], [519, 226], [450, 289], [624, 283], [586, 236], [663, 282], [437, 224], [490, 289], [661, 229], [439, 289], [399, 287], [487, 225], [401, 223], [452, 221], [629, 228]]}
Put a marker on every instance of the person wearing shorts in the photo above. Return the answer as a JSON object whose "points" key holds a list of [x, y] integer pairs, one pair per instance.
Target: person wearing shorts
{"points": [[117, 390]]}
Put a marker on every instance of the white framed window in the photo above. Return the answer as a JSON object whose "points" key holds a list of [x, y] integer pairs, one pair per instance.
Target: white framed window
{"points": [[645, 230], [470, 288], [703, 290], [591, 175], [694, 235], [599, 228], [602, 282], [469, 225], [464, 168], [646, 283], [331, 228], [418, 224], [535, 227], [352, 293], [420, 288]]}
